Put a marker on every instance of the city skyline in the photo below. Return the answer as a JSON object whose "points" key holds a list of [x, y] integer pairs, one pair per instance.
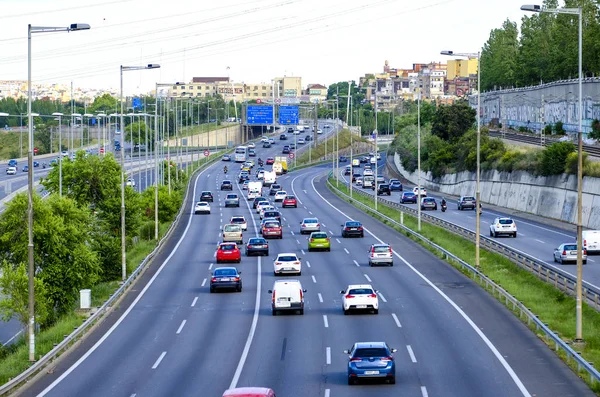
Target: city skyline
{"points": [[251, 41]]}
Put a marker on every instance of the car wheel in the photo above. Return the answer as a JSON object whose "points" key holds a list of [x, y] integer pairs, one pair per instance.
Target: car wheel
{"points": [[274, 312], [491, 234], [370, 263], [301, 312], [346, 312], [275, 274], [362, 235], [309, 250], [239, 289], [212, 290], [391, 264], [239, 260], [515, 235], [376, 311], [328, 249], [299, 273], [584, 262], [392, 380], [554, 257], [495, 234], [351, 381]]}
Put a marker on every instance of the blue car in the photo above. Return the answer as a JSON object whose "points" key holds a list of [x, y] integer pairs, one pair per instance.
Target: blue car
{"points": [[408, 197], [36, 164], [395, 185], [25, 168], [343, 159], [371, 360]]}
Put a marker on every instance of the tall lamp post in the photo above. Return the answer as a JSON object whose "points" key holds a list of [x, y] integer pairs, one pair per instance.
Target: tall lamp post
{"points": [[579, 12], [122, 128], [31, 268], [59, 115], [476, 55]]}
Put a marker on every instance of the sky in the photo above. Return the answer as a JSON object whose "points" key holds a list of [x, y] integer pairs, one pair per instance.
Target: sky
{"points": [[251, 41]]}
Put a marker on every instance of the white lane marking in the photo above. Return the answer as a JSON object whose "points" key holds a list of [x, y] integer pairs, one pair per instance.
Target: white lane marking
{"points": [[346, 249], [539, 241], [310, 212], [367, 277], [210, 267], [21, 331], [298, 241], [136, 300], [327, 393], [133, 395], [320, 297], [323, 225], [160, 358], [194, 301], [411, 354], [325, 322], [356, 263], [203, 283], [464, 315], [396, 320], [314, 279], [305, 208], [591, 260], [303, 253], [521, 234], [292, 233], [181, 326], [215, 254], [424, 391], [338, 240], [382, 297], [308, 263], [304, 190], [328, 356]]}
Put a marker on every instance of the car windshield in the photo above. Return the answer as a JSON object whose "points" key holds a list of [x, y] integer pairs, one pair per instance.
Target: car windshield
{"points": [[227, 247], [360, 291], [506, 221], [383, 248], [370, 352], [287, 258], [319, 235], [257, 241], [225, 272], [570, 248], [352, 224]]}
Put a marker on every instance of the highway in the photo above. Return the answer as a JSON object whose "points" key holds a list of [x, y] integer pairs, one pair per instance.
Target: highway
{"points": [[535, 237], [172, 337]]}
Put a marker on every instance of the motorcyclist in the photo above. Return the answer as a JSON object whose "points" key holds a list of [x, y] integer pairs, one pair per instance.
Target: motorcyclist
{"points": [[225, 169], [443, 201]]}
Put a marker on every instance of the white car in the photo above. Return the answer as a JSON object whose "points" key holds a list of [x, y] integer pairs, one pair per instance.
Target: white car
{"points": [[319, 131], [368, 172], [264, 139], [360, 297], [11, 171], [310, 225], [373, 160], [261, 205], [272, 141], [503, 226], [202, 207], [239, 220], [251, 145], [301, 141], [287, 263], [260, 175], [359, 181], [423, 191], [266, 208], [280, 195], [130, 182]]}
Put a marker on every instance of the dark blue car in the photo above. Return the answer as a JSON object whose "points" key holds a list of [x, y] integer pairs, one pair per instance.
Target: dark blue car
{"points": [[371, 360], [395, 185], [408, 197]]}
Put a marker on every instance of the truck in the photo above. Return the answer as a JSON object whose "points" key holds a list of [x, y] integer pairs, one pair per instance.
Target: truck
{"points": [[283, 161], [277, 168], [269, 178], [254, 189]]}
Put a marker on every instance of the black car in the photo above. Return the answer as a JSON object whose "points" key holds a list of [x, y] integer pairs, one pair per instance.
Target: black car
{"points": [[285, 150], [308, 138], [256, 200], [352, 228], [226, 185], [282, 137], [347, 170], [207, 196], [292, 146], [290, 129], [226, 278], [364, 159], [257, 246], [36, 164], [408, 197], [274, 189], [356, 175], [383, 188]]}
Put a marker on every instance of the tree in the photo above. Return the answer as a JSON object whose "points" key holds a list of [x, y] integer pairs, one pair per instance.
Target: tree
{"points": [[554, 158], [450, 122], [106, 103], [499, 57], [15, 303]]}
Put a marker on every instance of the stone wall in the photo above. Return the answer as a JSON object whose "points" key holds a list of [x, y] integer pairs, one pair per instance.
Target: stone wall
{"points": [[551, 197]]}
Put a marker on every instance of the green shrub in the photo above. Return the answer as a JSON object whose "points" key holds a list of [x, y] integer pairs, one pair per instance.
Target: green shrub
{"points": [[558, 128], [548, 129], [146, 231], [595, 134], [554, 158]]}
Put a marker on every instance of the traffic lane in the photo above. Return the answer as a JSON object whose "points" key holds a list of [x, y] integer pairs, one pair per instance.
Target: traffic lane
{"points": [[151, 325], [540, 370], [10, 331], [533, 239]]}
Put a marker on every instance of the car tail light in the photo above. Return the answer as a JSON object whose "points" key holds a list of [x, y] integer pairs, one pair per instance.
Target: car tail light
{"points": [[301, 295], [277, 263], [584, 242], [564, 252], [296, 263], [328, 239], [390, 250], [585, 251], [312, 240], [386, 359], [236, 279], [349, 296], [360, 228], [355, 360], [372, 295], [213, 279], [318, 225]]}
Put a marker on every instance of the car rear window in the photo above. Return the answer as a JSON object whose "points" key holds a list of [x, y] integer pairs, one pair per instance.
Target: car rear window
{"points": [[232, 228], [271, 224], [206, 193], [468, 198], [272, 214], [381, 249], [227, 247], [289, 197], [370, 352], [352, 224], [257, 241], [287, 258], [238, 220], [310, 221], [231, 196], [359, 291], [570, 247], [319, 235], [226, 183], [408, 194], [506, 221], [225, 272]]}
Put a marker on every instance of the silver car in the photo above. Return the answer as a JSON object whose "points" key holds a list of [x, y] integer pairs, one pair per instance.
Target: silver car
{"points": [[309, 225], [232, 200], [568, 253]]}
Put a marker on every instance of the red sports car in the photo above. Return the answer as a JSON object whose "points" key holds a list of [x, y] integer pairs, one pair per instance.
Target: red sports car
{"points": [[270, 160], [228, 252], [290, 201]]}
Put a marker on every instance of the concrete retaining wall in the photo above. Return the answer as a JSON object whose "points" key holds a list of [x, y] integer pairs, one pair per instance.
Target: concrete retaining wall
{"points": [[223, 136], [551, 197]]}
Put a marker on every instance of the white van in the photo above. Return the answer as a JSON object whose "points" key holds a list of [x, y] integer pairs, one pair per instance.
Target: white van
{"points": [[287, 295], [591, 240]]}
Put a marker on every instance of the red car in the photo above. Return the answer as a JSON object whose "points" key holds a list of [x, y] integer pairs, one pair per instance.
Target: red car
{"points": [[290, 201], [270, 160], [272, 229], [228, 252]]}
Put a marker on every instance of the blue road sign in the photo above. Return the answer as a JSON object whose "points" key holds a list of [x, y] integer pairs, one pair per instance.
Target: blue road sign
{"points": [[137, 103], [259, 114], [288, 115]]}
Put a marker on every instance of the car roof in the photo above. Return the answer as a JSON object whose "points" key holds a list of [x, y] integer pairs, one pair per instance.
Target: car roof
{"points": [[226, 243], [352, 286], [284, 282], [359, 345], [380, 245], [202, 203], [238, 216]]}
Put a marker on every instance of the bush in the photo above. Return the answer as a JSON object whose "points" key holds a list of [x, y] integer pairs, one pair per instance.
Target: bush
{"points": [[548, 129], [509, 160], [146, 231], [595, 134], [554, 158], [558, 128], [572, 160]]}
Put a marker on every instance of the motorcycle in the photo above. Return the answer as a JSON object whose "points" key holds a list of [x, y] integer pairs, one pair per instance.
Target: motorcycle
{"points": [[43, 165], [444, 207], [225, 170]]}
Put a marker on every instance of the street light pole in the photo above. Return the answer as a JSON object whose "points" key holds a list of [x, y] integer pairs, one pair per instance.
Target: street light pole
{"points": [[31, 265], [122, 128], [59, 152], [579, 298]]}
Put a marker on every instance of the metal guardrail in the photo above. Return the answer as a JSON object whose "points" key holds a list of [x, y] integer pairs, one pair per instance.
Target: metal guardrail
{"points": [[72, 337], [549, 335]]}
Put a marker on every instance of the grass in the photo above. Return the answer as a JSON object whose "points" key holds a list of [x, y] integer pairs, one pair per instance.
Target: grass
{"points": [[552, 306], [319, 151]]}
